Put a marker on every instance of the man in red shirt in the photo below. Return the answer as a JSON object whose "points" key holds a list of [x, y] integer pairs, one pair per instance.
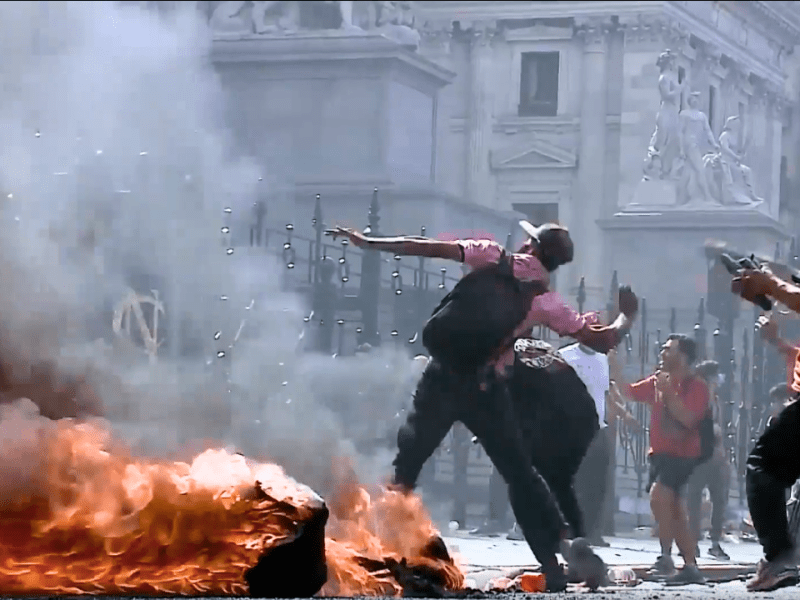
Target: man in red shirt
{"points": [[679, 401]]}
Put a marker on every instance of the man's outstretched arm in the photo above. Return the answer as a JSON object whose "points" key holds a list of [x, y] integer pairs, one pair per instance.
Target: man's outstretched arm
{"points": [[402, 245], [556, 314], [750, 284]]}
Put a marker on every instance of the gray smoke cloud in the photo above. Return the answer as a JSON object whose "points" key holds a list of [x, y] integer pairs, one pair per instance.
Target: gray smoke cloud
{"points": [[115, 159]]}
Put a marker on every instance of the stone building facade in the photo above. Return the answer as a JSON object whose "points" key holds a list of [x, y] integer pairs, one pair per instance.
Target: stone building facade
{"points": [[554, 105]]}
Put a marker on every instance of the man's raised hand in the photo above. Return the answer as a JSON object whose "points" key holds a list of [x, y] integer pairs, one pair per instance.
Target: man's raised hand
{"points": [[628, 302], [356, 238]]}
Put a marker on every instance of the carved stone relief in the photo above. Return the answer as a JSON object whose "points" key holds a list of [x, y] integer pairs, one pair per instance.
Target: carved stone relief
{"points": [[394, 19]]}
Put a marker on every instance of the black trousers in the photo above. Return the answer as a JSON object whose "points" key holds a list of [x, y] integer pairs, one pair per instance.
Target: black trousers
{"points": [[714, 475], [443, 397], [561, 486], [591, 482], [772, 467]]}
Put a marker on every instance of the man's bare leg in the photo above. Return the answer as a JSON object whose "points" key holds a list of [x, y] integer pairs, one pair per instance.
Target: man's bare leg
{"points": [[661, 505]]}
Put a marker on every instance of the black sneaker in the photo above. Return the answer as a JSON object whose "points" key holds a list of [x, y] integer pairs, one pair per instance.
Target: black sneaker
{"points": [[555, 580], [687, 575], [717, 552]]}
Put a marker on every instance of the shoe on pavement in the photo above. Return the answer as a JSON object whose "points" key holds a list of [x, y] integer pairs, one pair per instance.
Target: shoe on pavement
{"points": [[778, 573], [687, 575], [663, 566], [717, 552], [515, 534], [555, 580], [489, 529], [583, 564]]}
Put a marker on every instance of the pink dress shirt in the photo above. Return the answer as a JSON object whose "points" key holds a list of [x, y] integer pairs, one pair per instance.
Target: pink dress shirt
{"points": [[548, 309]]}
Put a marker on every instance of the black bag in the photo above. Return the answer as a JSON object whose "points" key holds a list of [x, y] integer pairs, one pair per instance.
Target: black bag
{"points": [[479, 315], [708, 439]]}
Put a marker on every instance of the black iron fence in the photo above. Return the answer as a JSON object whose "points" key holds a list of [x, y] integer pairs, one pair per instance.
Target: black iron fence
{"points": [[368, 298]]}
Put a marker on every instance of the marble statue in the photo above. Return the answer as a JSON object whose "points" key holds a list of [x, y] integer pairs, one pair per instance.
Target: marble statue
{"points": [[695, 137], [396, 21], [243, 18], [662, 154], [730, 180]]}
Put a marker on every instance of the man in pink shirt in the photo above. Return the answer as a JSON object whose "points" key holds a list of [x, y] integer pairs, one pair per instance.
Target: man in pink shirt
{"points": [[446, 393]]}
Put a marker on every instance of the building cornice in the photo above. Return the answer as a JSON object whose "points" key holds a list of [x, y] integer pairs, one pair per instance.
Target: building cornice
{"points": [[785, 16], [511, 10], [708, 31]]}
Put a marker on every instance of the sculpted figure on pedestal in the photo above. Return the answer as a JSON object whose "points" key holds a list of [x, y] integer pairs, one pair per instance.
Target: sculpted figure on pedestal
{"points": [[695, 138], [286, 16], [396, 21], [662, 155], [246, 18], [731, 180]]}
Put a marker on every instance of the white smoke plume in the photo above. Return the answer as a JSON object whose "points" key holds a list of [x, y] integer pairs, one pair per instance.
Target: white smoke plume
{"points": [[115, 159]]}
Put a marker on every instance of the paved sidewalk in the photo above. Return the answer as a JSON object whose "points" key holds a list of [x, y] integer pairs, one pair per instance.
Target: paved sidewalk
{"points": [[486, 558]]}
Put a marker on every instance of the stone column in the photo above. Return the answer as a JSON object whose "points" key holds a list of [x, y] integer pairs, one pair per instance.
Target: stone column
{"points": [[775, 108], [757, 157], [588, 202], [477, 182], [435, 45]]}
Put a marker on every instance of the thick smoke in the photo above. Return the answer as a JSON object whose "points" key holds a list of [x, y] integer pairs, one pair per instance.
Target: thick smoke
{"points": [[115, 162]]}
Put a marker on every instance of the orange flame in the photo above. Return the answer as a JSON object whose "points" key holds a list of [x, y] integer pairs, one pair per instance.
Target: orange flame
{"points": [[85, 517]]}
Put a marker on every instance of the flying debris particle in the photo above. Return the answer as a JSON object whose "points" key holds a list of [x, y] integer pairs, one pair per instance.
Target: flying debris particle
{"points": [[474, 439], [99, 152], [221, 354], [229, 251], [217, 335], [224, 298], [289, 401], [37, 134], [143, 153], [227, 210], [284, 383], [290, 265], [226, 230]]}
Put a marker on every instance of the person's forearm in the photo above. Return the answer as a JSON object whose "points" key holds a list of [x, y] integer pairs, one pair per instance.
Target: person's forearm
{"points": [[409, 246], [783, 347], [786, 293], [606, 337]]}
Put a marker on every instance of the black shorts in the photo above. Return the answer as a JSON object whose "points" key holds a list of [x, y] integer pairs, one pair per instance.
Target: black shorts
{"points": [[671, 471]]}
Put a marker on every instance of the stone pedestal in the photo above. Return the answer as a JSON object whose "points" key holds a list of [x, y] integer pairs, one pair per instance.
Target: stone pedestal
{"points": [[660, 252], [333, 109]]}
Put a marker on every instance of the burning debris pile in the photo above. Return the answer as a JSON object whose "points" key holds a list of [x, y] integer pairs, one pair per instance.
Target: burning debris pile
{"points": [[82, 516]]}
